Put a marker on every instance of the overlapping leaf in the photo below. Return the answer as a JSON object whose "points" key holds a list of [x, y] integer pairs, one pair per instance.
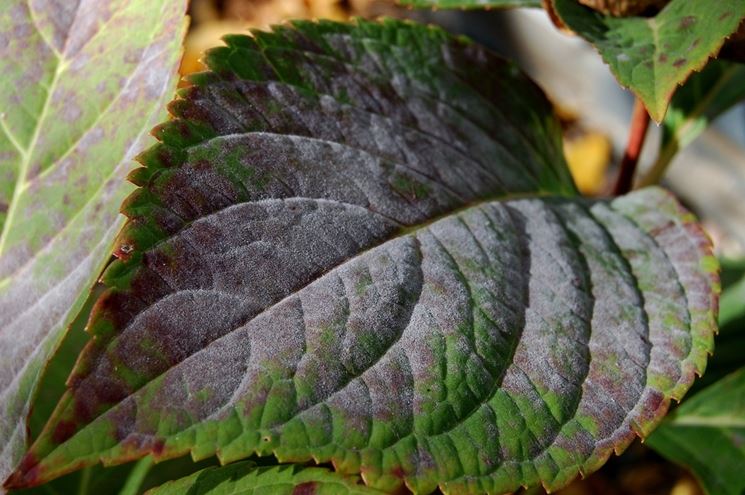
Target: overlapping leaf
{"points": [[707, 434], [471, 4], [81, 83], [704, 97], [653, 55], [360, 244], [245, 479]]}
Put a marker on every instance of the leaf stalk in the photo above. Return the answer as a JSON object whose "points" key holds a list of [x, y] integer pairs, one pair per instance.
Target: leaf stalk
{"points": [[637, 135]]}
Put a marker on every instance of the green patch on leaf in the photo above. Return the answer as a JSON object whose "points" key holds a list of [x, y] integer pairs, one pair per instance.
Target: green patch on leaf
{"points": [[652, 56]]}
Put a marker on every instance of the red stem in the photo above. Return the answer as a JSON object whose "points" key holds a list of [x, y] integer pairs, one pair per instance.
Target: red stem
{"points": [[637, 133]]}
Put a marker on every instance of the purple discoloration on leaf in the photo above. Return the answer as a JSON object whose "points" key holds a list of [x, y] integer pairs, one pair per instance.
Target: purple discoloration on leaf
{"points": [[687, 22], [307, 488]]}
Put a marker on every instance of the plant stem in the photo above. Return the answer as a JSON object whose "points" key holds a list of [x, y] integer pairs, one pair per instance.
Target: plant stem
{"points": [[637, 133], [85, 481], [137, 476]]}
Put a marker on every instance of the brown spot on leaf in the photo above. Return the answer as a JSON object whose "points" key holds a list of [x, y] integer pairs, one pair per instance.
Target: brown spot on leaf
{"points": [[123, 251], [680, 62], [398, 472], [662, 58], [158, 447], [307, 488], [26, 475], [64, 430], [686, 22], [724, 16]]}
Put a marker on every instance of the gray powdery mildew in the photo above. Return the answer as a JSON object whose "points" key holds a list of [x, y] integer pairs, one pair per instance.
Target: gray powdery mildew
{"points": [[503, 303], [313, 156], [358, 309]]}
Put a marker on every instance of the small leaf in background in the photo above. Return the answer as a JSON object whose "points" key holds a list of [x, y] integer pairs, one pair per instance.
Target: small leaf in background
{"points": [[707, 434], [81, 84], [471, 4], [624, 8], [653, 55], [703, 97], [245, 478], [360, 244]]}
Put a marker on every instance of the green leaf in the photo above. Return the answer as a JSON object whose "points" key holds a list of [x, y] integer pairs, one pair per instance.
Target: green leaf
{"points": [[360, 244], [80, 85], [471, 4], [707, 434], [730, 341], [653, 55], [732, 307], [244, 478], [705, 96]]}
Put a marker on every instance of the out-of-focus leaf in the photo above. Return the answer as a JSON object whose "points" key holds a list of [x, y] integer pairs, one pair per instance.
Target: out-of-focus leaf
{"points": [[653, 55], [705, 96], [81, 83], [732, 305], [730, 342], [471, 4], [707, 434], [244, 478], [360, 244], [624, 8]]}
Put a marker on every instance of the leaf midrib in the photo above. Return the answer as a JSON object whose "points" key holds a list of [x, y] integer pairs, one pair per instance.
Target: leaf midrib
{"points": [[22, 183], [26, 156]]}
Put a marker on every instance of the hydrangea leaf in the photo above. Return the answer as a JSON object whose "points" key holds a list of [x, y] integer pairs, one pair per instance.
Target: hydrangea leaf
{"points": [[703, 97], [243, 478], [707, 434], [471, 4], [81, 84], [360, 244], [653, 55]]}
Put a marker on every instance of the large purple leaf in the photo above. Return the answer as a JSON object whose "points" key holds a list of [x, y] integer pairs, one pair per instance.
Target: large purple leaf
{"points": [[360, 244]]}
